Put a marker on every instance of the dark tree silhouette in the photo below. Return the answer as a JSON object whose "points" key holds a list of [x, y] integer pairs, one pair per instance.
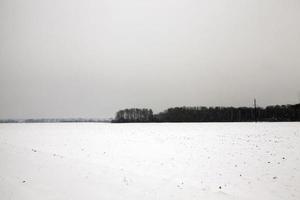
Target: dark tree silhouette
{"points": [[134, 115], [212, 114]]}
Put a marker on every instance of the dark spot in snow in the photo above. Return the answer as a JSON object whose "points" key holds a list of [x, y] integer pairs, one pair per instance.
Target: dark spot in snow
{"points": [[23, 181], [283, 158], [125, 180], [240, 174], [33, 150], [220, 187], [275, 177], [269, 162]]}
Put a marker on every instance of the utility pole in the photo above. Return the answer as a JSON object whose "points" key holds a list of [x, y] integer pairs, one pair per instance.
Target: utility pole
{"points": [[255, 111]]}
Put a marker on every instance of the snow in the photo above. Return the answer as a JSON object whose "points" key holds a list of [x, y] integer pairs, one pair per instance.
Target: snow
{"points": [[75, 161]]}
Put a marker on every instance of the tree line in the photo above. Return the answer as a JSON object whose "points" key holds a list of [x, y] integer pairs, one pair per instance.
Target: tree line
{"points": [[134, 115], [212, 114]]}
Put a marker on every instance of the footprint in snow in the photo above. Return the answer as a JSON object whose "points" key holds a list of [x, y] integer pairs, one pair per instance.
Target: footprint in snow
{"points": [[54, 155], [125, 180], [180, 186]]}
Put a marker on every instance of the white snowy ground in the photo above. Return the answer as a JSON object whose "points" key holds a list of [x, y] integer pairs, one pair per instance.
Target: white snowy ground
{"points": [[183, 161]]}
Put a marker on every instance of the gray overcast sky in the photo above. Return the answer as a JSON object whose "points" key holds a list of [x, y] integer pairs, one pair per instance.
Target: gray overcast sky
{"points": [[89, 58]]}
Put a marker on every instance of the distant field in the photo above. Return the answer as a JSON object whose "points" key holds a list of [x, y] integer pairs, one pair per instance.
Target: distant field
{"points": [[165, 161]]}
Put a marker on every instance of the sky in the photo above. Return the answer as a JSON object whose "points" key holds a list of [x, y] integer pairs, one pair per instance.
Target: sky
{"points": [[90, 58]]}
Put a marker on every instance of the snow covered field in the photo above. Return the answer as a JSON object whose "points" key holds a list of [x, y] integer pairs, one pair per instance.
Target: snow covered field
{"points": [[183, 161]]}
